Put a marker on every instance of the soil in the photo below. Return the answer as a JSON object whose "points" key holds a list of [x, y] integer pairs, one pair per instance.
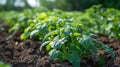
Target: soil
{"points": [[20, 53]]}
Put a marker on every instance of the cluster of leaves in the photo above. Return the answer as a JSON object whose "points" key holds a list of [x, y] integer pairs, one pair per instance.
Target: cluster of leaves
{"points": [[67, 35], [105, 21], [19, 20], [44, 23], [100, 20], [95, 19], [63, 38]]}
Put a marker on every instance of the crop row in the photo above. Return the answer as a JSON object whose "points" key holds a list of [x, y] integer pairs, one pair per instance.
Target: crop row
{"points": [[67, 35]]}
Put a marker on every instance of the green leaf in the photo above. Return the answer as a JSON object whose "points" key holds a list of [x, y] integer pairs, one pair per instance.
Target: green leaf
{"points": [[74, 59], [76, 34], [44, 44], [67, 30], [24, 36], [57, 43], [97, 43], [53, 43], [48, 47], [42, 27], [86, 43], [52, 33], [79, 28], [62, 56], [109, 50], [53, 54], [101, 61], [33, 33]]}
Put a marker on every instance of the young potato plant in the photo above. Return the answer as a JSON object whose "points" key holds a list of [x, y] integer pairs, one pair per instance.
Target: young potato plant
{"points": [[96, 18], [16, 20], [100, 20], [63, 38], [19, 20], [70, 43], [113, 26]]}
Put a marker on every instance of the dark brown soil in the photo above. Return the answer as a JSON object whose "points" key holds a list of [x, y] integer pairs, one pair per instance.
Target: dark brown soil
{"points": [[20, 53]]}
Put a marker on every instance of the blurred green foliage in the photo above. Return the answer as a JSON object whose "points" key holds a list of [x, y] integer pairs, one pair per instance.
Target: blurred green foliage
{"points": [[64, 4], [9, 5], [79, 4], [94, 20]]}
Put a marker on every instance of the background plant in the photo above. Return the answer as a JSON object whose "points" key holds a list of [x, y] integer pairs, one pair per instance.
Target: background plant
{"points": [[63, 38]]}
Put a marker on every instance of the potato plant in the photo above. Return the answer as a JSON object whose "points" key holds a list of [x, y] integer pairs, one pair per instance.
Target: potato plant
{"points": [[70, 43], [63, 38], [43, 24], [96, 18], [68, 35], [19, 20], [101, 20]]}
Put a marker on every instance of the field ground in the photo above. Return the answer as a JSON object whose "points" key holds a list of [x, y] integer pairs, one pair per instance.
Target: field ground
{"points": [[20, 53]]}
